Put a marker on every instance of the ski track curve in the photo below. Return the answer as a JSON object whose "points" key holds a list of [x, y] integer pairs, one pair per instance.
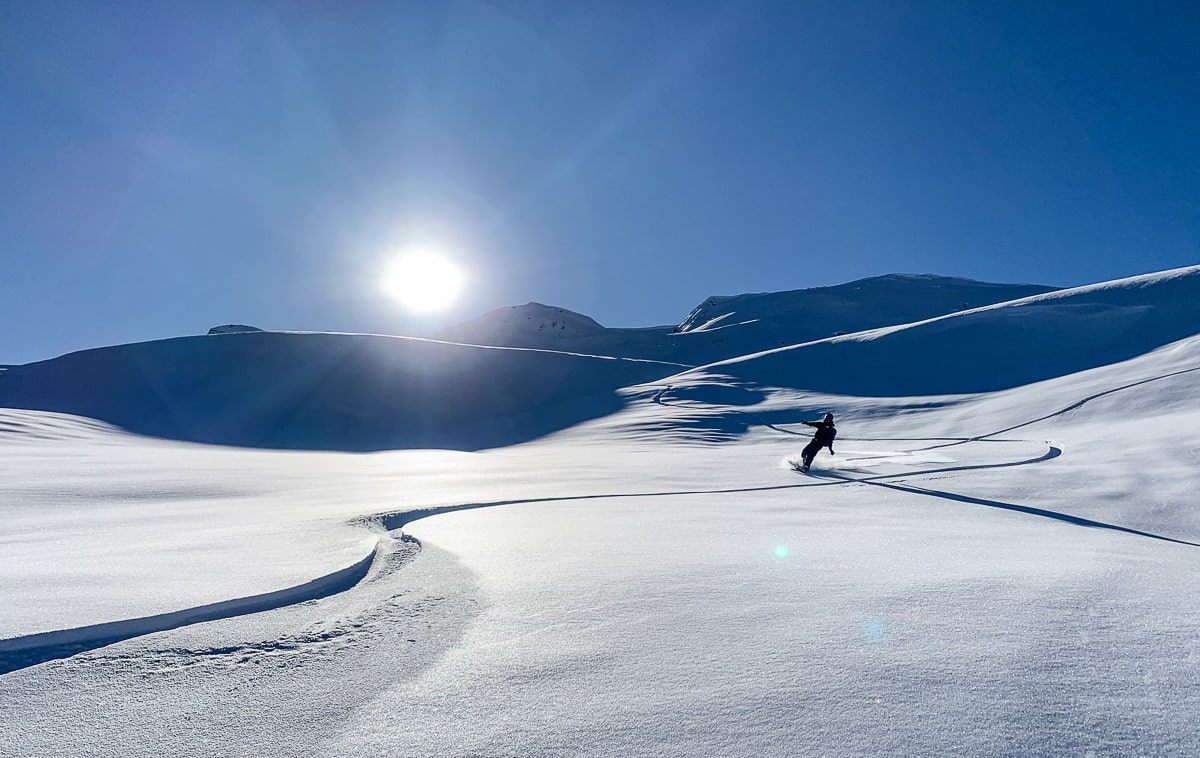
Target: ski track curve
{"points": [[945, 442], [399, 519], [29, 650]]}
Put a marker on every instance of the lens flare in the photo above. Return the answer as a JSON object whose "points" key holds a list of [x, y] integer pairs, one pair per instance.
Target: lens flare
{"points": [[876, 631], [781, 551]]}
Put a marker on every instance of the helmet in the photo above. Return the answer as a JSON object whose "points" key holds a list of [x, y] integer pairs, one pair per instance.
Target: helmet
{"points": [[828, 418]]}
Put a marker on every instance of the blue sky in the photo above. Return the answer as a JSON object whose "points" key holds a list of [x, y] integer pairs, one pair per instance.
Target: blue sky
{"points": [[166, 168]]}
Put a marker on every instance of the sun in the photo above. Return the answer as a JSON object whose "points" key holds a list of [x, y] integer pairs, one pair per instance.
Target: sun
{"points": [[423, 281]]}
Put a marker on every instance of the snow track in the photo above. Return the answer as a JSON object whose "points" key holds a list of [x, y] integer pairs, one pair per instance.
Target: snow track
{"points": [[30, 650], [397, 520], [946, 442], [1064, 517]]}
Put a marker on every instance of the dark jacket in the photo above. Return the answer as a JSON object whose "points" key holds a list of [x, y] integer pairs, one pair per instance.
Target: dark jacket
{"points": [[825, 432]]}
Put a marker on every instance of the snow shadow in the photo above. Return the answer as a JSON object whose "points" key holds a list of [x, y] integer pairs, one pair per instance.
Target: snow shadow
{"points": [[1030, 510], [712, 393], [864, 460], [329, 391], [720, 408]]}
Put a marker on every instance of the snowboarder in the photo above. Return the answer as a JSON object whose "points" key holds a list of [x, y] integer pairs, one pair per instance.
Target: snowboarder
{"points": [[823, 438]]}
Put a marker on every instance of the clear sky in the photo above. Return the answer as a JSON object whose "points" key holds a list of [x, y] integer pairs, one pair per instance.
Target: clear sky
{"points": [[167, 167]]}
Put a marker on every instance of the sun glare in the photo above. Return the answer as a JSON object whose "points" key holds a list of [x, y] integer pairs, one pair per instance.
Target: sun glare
{"points": [[423, 281]]}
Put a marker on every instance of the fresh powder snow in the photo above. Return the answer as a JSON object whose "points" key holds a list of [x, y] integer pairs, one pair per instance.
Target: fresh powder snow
{"points": [[505, 542]]}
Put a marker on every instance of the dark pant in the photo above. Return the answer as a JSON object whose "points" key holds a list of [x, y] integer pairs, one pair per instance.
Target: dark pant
{"points": [[810, 452]]}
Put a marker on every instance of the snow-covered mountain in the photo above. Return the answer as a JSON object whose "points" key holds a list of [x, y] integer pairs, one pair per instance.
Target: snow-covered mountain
{"points": [[529, 325], [809, 314], [725, 327], [994, 347]]}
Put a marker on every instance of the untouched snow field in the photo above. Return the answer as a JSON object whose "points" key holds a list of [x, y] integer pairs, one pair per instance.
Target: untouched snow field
{"points": [[1006, 566]]}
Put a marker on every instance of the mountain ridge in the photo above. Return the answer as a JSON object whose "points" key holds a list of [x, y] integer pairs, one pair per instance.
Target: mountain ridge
{"points": [[749, 322], [318, 390], [992, 347]]}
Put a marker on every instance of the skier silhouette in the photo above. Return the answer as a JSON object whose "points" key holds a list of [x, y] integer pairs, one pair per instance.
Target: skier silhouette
{"points": [[823, 438]]}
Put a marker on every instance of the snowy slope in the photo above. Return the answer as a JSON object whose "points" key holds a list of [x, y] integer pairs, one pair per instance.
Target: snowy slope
{"points": [[596, 593], [808, 314], [991, 348], [1005, 572], [327, 391]]}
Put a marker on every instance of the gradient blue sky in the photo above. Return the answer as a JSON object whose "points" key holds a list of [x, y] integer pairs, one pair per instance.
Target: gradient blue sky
{"points": [[166, 167]]}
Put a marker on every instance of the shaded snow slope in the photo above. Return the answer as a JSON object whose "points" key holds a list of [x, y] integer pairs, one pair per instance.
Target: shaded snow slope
{"points": [[327, 391], [992, 348], [723, 327], [810, 314]]}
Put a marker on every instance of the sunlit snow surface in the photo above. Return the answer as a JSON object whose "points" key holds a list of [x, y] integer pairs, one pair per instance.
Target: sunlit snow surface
{"points": [[989, 574]]}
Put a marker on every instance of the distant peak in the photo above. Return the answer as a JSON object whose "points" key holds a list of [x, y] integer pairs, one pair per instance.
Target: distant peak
{"points": [[522, 325], [233, 329]]}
